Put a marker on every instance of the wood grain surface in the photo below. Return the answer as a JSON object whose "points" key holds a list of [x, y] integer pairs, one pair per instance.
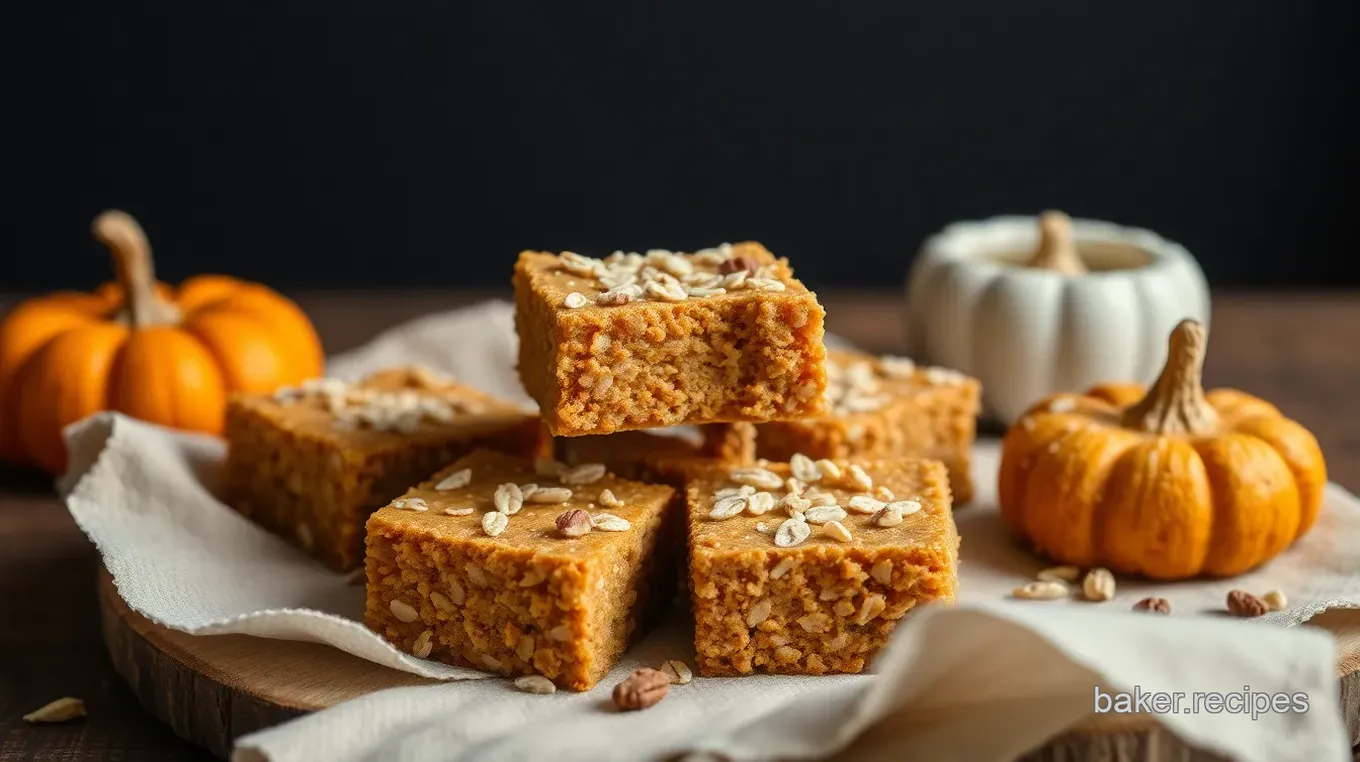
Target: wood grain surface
{"points": [[1297, 350]]}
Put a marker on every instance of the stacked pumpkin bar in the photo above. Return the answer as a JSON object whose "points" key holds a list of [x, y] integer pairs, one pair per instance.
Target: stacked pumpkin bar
{"points": [[511, 561]]}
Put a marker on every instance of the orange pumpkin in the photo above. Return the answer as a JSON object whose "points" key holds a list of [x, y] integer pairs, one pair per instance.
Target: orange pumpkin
{"points": [[1168, 483], [168, 356]]}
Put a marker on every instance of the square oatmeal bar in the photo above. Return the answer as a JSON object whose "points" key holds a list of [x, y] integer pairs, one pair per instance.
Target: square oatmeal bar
{"points": [[806, 568], [523, 567], [886, 407], [311, 463], [647, 341]]}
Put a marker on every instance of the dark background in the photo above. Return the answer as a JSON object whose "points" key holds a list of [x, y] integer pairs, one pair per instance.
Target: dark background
{"points": [[364, 144]]}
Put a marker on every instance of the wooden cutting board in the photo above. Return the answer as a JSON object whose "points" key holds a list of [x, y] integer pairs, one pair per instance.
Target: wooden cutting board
{"points": [[212, 689]]}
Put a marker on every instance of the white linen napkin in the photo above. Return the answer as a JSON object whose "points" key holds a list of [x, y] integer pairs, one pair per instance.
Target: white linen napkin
{"points": [[986, 679]]}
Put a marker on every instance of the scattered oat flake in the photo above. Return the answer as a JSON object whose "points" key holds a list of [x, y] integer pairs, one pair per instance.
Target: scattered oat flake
{"points": [[1060, 574], [608, 500], [889, 516], [455, 480], [678, 672], [803, 468], [836, 531], [829, 469], [906, 507], [1041, 591], [1062, 405], [585, 473], [759, 504], [411, 504], [727, 507], [759, 612], [464, 510], [883, 493], [860, 478], [508, 499], [608, 522], [864, 504], [756, 477], [574, 299], [535, 684], [762, 527], [792, 532], [61, 710], [550, 495], [824, 514], [494, 523]]}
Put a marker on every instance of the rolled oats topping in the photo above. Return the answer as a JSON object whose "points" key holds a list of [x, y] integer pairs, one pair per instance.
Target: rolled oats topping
{"points": [[792, 532], [887, 516], [860, 478], [824, 514], [575, 300], [608, 500], [756, 477], [795, 505], [661, 275], [460, 510], [494, 523], [864, 504], [804, 469], [608, 522], [727, 507], [586, 473], [829, 469], [356, 406], [759, 504], [897, 367], [550, 495], [743, 490], [456, 480], [508, 499], [411, 504], [836, 531]]}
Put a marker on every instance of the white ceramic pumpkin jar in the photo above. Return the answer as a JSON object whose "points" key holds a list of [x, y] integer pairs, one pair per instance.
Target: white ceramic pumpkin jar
{"points": [[1031, 308]]}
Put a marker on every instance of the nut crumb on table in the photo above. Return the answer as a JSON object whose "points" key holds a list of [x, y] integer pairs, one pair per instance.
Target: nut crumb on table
{"points": [[311, 463], [532, 598], [667, 339]]}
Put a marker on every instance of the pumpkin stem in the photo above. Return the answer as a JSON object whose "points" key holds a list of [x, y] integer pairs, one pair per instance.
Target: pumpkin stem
{"points": [[1056, 251], [1176, 404], [132, 263]]}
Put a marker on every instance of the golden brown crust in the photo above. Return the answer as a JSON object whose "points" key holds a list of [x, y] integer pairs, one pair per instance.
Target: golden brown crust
{"points": [[744, 355], [292, 469], [928, 413], [529, 600], [821, 606]]}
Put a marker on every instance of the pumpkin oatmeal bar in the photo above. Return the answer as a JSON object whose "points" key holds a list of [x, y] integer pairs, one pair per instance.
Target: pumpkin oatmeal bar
{"points": [[523, 567], [310, 463], [647, 341], [886, 407], [805, 568]]}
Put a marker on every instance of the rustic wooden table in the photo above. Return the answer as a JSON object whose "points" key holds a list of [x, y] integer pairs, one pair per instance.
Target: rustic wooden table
{"points": [[1298, 350]]}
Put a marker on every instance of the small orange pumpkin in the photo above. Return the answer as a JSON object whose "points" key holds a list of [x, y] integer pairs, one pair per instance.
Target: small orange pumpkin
{"points": [[168, 356], [1168, 483]]}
